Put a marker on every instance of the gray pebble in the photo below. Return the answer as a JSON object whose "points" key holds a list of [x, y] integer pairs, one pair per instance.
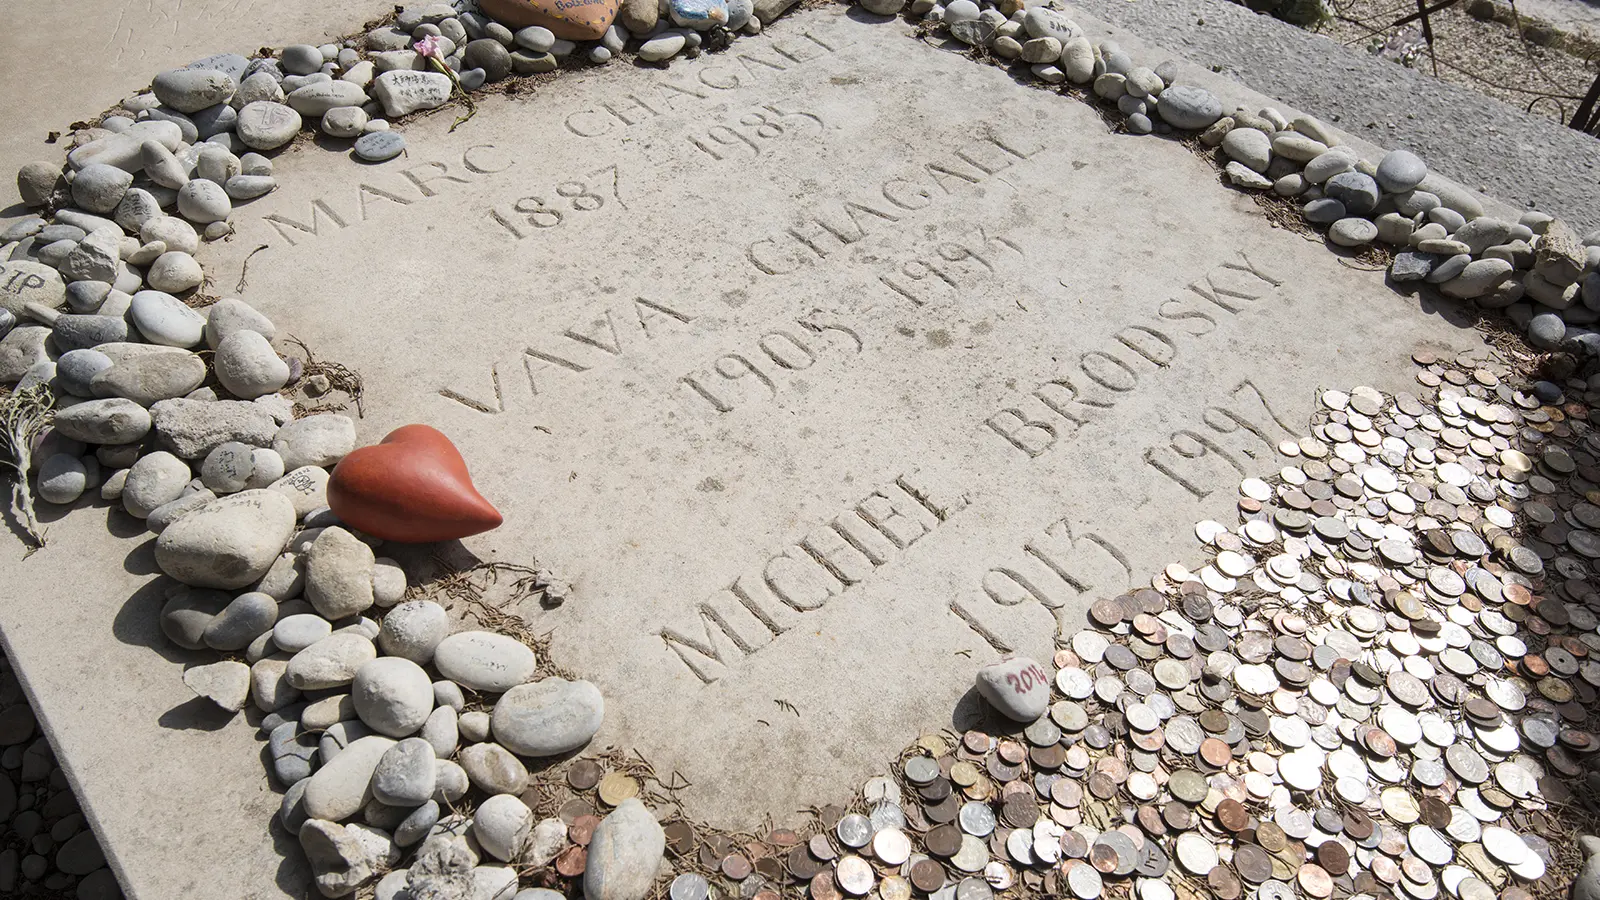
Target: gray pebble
{"points": [[62, 479], [1359, 193], [1353, 232], [379, 146]]}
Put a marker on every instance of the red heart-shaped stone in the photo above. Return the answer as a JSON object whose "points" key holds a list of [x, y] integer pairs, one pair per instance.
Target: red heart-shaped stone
{"points": [[412, 487], [573, 20]]}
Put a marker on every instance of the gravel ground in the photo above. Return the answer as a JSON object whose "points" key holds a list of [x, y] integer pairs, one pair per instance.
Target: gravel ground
{"points": [[1481, 142], [42, 830], [1485, 56]]}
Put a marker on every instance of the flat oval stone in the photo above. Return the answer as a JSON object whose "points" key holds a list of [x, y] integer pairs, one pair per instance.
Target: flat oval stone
{"points": [[392, 695], [330, 662], [228, 543], [549, 717], [380, 146], [339, 789], [484, 661]]}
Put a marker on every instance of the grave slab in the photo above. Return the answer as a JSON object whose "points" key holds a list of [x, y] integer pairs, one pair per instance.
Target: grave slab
{"points": [[786, 357], [826, 370]]}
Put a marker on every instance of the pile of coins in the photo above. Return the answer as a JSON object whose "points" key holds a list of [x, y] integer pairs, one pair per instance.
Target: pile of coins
{"points": [[1378, 683]]}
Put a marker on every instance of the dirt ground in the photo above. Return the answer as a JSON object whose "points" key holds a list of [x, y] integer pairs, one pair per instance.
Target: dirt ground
{"points": [[1500, 49]]}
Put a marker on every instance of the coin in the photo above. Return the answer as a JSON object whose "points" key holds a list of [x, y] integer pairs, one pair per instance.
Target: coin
{"points": [[927, 876], [736, 867], [571, 862], [891, 846], [584, 774], [617, 787], [689, 886], [854, 875], [854, 830]]}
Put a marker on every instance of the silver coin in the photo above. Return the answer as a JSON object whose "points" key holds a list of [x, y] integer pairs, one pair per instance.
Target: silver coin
{"points": [[887, 815], [854, 830], [1084, 882], [974, 889], [922, 769], [1429, 846], [977, 819], [690, 886]]}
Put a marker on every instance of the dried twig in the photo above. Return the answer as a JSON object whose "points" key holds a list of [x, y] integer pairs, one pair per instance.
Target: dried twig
{"points": [[24, 415], [340, 377]]}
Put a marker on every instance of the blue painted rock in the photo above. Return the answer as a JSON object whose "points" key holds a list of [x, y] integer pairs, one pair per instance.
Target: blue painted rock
{"points": [[699, 14], [573, 20]]}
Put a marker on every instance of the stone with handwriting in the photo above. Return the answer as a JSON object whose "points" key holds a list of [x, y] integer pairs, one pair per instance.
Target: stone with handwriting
{"points": [[1017, 687]]}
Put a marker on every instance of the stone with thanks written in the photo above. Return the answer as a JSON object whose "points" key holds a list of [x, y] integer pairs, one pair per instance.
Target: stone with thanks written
{"points": [[904, 392]]}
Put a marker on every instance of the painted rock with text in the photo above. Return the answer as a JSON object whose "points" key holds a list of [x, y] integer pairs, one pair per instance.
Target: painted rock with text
{"points": [[1017, 687], [574, 20], [412, 487]]}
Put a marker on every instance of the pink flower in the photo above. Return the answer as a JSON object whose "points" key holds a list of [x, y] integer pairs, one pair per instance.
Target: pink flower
{"points": [[430, 46]]}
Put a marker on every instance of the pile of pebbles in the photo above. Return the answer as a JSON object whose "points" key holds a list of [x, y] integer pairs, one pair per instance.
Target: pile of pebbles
{"points": [[1535, 271], [46, 847]]}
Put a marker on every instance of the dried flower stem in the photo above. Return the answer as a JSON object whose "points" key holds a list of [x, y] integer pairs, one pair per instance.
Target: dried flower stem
{"points": [[24, 415]]}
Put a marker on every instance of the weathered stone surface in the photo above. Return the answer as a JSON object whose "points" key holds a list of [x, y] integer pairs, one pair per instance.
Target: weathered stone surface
{"points": [[551, 717], [484, 660], [193, 428], [228, 543], [626, 848]]}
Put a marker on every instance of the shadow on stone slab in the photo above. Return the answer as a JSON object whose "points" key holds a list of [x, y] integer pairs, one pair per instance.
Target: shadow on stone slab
{"points": [[293, 877], [198, 714], [16, 211], [122, 525], [138, 624], [857, 14], [50, 513], [141, 560]]}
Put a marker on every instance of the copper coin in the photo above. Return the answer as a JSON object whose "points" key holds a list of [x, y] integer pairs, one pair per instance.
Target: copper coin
{"points": [[1224, 884], [1434, 813], [583, 829], [1020, 811], [572, 861], [1050, 757], [1176, 815], [927, 876], [1215, 752], [944, 840], [1357, 824], [976, 741], [1012, 752], [783, 837], [680, 837], [769, 868], [1333, 857], [584, 774], [802, 865], [1233, 816], [822, 886], [736, 867], [1315, 880], [1103, 857]]}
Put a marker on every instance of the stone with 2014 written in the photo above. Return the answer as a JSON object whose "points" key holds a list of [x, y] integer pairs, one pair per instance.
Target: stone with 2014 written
{"points": [[574, 20], [1017, 687]]}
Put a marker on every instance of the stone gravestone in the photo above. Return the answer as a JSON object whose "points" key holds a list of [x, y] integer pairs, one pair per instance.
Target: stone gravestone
{"points": [[820, 385]]}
